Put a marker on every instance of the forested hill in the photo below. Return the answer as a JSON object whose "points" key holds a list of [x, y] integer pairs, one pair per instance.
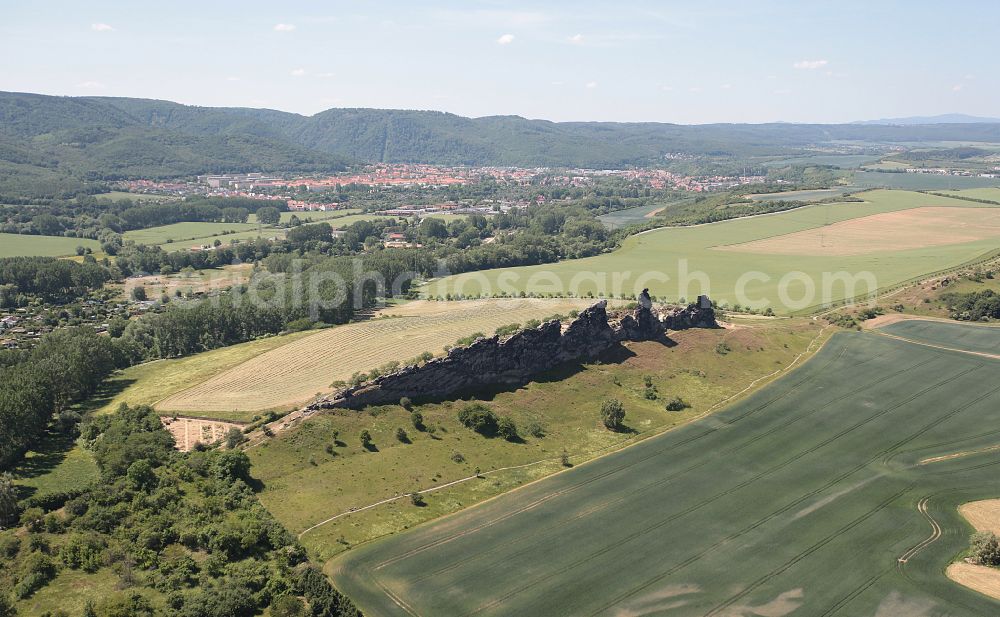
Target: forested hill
{"points": [[65, 139]]}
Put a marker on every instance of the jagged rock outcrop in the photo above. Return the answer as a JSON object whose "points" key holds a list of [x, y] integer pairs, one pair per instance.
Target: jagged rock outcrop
{"points": [[515, 359]]}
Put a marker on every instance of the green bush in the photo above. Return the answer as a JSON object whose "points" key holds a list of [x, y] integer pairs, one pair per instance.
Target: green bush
{"points": [[507, 429], [612, 414], [677, 404], [479, 418]]}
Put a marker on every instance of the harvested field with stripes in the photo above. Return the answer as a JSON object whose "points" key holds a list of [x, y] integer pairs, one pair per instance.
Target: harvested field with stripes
{"points": [[293, 374], [808, 497]]}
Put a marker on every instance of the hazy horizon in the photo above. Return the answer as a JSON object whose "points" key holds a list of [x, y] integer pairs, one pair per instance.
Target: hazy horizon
{"points": [[642, 62]]}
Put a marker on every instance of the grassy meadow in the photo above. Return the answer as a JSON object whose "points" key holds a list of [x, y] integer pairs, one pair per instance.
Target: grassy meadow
{"points": [[668, 260], [306, 483], [185, 235], [920, 182], [802, 497], [16, 245]]}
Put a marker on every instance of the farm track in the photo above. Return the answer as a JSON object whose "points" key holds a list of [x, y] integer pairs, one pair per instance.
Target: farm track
{"points": [[583, 484], [848, 504], [618, 542]]}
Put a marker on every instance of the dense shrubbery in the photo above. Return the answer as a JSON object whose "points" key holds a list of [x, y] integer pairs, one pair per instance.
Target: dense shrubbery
{"points": [[185, 524], [973, 306]]}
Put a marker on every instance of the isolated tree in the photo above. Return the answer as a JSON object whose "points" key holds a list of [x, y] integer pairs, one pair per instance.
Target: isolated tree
{"points": [[417, 499], [139, 293], [366, 438], [612, 414], [401, 435], [418, 420], [677, 404], [234, 437]]}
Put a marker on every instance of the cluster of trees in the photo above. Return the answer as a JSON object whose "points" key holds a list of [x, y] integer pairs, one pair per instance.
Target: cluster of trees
{"points": [[186, 525], [973, 306], [53, 280], [64, 368], [483, 420]]}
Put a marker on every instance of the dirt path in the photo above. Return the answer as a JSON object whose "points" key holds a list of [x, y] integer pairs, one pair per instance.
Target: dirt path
{"points": [[811, 348]]}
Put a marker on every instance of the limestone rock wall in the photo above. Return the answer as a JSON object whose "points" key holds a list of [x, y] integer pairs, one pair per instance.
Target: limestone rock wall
{"points": [[513, 360]]}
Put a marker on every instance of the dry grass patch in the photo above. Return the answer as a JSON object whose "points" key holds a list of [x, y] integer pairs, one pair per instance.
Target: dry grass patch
{"points": [[889, 231], [293, 374]]}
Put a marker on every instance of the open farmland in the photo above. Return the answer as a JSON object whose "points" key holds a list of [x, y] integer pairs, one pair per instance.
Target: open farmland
{"points": [[306, 484], [184, 235], [22, 245], [684, 261], [803, 195], [992, 194], [921, 182], [818, 486], [295, 373], [890, 231], [311, 215]]}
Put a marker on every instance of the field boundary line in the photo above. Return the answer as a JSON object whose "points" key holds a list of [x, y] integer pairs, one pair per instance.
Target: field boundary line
{"points": [[981, 354], [593, 453]]}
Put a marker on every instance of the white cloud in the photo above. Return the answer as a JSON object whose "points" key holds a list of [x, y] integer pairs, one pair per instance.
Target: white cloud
{"points": [[726, 86], [232, 78], [326, 75], [101, 27], [576, 38], [694, 89], [783, 91], [667, 88], [90, 85], [298, 72], [956, 87], [506, 39], [810, 65], [558, 83], [284, 27], [591, 85]]}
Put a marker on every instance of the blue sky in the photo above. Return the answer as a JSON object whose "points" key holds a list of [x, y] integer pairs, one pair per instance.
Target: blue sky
{"points": [[686, 62]]}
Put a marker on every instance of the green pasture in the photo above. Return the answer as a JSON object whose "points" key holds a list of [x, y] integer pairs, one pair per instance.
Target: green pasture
{"points": [[633, 216], [21, 245], [136, 197], [921, 182], [993, 194], [186, 231], [803, 195], [680, 262], [799, 499]]}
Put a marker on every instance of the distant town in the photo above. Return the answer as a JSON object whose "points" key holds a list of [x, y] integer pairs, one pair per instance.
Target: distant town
{"points": [[262, 185]]}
